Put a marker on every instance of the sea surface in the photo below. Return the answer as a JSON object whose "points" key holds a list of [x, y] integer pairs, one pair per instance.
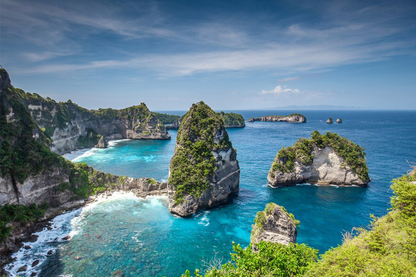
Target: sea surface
{"points": [[139, 237]]}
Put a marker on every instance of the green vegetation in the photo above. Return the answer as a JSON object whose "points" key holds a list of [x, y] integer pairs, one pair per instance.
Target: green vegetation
{"points": [[263, 215], [193, 165], [90, 140], [166, 118], [387, 249], [302, 152], [271, 259], [18, 213], [24, 148], [232, 119]]}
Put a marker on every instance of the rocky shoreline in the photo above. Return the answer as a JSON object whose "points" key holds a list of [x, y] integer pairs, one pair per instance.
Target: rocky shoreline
{"points": [[23, 232]]}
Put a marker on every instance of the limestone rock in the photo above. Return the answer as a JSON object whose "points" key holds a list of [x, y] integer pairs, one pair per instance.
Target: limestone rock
{"points": [[292, 118], [274, 224], [329, 121], [204, 170], [339, 120], [316, 161], [102, 143]]}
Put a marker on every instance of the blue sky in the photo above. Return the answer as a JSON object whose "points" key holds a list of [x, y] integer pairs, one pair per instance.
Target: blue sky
{"points": [[230, 54]]}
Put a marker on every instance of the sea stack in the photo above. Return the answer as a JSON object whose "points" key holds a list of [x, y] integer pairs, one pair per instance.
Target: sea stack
{"points": [[339, 120], [102, 143], [204, 170], [329, 121], [292, 118], [274, 224], [323, 160]]}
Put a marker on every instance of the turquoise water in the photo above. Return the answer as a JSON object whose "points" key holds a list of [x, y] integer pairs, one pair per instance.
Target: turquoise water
{"points": [[141, 238]]}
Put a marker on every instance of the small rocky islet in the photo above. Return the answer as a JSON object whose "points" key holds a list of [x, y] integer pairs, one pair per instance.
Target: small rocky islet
{"points": [[327, 159], [292, 118]]}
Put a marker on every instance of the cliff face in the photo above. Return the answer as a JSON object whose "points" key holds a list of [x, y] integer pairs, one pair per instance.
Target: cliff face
{"points": [[70, 126], [293, 118], [204, 170], [322, 160], [274, 224]]}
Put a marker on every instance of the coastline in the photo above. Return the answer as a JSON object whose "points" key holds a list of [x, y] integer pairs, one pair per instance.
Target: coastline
{"points": [[51, 229]]}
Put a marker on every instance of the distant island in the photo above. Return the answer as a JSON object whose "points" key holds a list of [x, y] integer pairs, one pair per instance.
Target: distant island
{"points": [[292, 118], [231, 120]]}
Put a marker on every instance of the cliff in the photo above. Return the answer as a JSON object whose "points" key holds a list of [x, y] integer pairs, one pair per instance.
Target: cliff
{"points": [[292, 118], [231, 120], [72, 127], [204, 170], [387, 248], [36, 183], [274, 224], [323, 159]]}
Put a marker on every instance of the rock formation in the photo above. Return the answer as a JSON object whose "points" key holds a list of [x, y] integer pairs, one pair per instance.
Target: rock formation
{"points": [[323, 160], [102, 143], [231, 120], [339, 120], [72, 127], [329, 121], [292, 118], [274, 224], [204, 170]]}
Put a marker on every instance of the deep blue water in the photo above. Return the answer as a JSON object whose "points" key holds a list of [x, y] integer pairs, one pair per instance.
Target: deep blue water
{"points": [[141, 237]]}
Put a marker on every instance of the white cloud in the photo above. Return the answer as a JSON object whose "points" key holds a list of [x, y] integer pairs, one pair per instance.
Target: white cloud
{"points": [[280, 90], [289, 79]]}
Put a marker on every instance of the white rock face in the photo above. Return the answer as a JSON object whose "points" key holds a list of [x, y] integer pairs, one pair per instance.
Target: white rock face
{"points": [[277, 227], [327, 169]]}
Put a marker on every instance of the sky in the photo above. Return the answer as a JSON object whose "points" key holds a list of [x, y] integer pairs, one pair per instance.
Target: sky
{"points": [[233, 55]]}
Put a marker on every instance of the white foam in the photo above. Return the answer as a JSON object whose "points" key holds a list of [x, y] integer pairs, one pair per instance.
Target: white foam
{"points": [[78, 154], [112, 143], [204, 220], [68, 224], [58, 229]]}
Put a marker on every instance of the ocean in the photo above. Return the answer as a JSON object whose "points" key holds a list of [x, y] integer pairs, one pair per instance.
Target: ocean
{"points": [[139, 237]]}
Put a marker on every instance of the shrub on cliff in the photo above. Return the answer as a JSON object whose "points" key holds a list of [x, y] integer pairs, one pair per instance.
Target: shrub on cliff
{"points": [[271, 259]]}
